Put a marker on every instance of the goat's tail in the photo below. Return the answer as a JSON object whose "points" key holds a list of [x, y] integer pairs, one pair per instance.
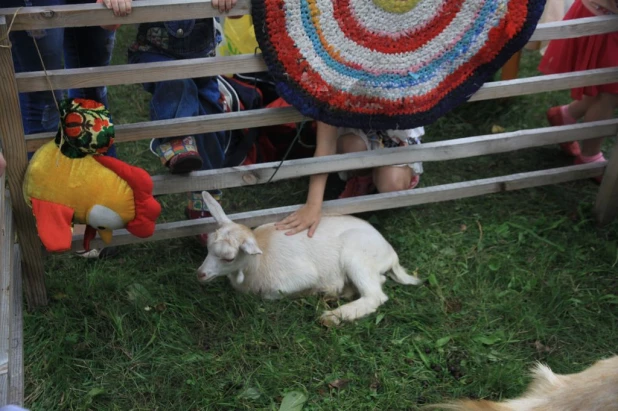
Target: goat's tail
{"points": [[401, 276], [469, 405]]}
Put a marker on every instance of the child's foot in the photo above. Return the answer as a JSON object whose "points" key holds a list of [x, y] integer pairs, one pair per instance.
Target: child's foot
{"points": [[414, 181], [559, 116], [580, 159], [358, 186], [197, 209], [180, 156]]}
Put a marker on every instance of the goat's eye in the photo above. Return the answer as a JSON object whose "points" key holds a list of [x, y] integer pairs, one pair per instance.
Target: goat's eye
{"points": [[227, 261]]}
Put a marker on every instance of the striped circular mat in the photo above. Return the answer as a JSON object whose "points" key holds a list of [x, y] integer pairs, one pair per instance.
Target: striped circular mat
{"points": [[387, 64]]}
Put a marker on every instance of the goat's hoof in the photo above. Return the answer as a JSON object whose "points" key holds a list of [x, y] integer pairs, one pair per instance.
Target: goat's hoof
{"points": [[328, 319]]}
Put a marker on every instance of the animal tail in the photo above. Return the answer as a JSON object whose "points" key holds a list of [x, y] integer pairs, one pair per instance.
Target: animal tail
{"points": [[400, 275], [469, 405]]}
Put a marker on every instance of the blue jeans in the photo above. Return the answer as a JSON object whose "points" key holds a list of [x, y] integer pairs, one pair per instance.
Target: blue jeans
{"points": [[79, 46], [186, 98]]}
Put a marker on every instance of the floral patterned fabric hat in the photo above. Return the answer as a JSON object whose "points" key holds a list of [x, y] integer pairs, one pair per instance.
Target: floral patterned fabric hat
{"points": [[85, 128]]}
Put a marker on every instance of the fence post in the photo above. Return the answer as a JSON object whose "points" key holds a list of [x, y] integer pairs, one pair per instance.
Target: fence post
{"points": [[15, 152], [510, 70], [606, 207]]}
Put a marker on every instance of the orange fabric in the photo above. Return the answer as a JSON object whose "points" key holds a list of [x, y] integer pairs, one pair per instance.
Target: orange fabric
{"points": [[53, 223]]}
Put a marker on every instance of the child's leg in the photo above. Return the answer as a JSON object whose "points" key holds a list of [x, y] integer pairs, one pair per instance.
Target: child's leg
{"points": [[577, 108], [602, 109], [359, 182], [569, 114], [352, 143], [393, 178]]}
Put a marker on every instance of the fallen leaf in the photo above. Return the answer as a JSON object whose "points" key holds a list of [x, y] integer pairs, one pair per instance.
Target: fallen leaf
{"points": [[339, 383], [293, 401], [250, 393], [497, 129], [379, 318], [540, 347], [463, 227]]}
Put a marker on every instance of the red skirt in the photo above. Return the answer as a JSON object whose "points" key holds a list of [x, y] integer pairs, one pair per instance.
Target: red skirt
{"points": [[582, 53]]}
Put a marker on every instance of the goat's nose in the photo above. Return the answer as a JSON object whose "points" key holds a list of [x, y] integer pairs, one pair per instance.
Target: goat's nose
{"points": [[201, 275]]}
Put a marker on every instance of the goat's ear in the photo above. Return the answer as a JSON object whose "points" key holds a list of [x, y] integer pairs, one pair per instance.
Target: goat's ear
{"points": [[215, 209], [250, 247]]}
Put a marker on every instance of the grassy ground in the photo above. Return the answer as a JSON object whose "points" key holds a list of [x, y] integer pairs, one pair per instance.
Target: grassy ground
{"points": [[513, 278]]}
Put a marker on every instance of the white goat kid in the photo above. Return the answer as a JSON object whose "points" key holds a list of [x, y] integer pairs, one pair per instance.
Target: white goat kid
{"points": [[346, 256]]}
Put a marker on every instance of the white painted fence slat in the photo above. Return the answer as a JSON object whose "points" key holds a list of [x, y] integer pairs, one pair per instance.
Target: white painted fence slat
{"points": [[438, 151], [271, 116], [370, 203]]}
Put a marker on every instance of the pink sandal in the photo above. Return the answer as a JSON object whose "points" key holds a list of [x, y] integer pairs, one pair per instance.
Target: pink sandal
{"points": [[555, 118], [598, 158]]}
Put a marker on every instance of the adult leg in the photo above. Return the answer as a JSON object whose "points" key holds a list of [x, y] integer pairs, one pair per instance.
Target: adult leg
{"points": [[38, 109], [89, 47]]}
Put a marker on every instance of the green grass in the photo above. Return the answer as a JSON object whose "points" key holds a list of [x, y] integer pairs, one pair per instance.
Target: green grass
{"points": [[512, 278]]}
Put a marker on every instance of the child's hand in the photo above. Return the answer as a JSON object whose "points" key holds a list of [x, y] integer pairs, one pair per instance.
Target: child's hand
{"points": [[308, 216], [120, 7], [223, 5]]}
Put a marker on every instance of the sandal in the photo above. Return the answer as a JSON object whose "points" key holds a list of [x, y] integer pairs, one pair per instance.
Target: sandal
{"points": [[593, 159], [555, 118]]}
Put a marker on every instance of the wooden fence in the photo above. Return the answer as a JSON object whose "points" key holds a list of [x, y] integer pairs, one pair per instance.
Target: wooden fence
{"points": [[11, 344], [16, 145]]}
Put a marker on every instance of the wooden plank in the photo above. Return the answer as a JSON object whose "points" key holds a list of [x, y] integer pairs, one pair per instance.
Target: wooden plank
{"points": [[510, 70], [384, 201], [16, 347], [190, 125], [212, 66], [143, 11], [575, 28], [6, 252], [436, 151], [14, 146], [272, 116], [606, 206], [139, 73], [542, 84]]}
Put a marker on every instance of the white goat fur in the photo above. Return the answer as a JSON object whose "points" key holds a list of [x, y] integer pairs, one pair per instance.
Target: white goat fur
{"points": [[345, 257], [593, 389]]}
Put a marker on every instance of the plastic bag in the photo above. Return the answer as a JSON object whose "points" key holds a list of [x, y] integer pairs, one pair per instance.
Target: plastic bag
{"points": [[238, 37]]}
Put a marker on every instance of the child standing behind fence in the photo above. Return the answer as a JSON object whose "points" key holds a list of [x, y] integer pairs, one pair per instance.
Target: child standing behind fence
{"points": [[331, 140], [593, 103], [176, 40]]}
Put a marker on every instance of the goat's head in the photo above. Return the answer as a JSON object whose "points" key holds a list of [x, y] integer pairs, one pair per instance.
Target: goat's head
{"points": [[229, 247]]}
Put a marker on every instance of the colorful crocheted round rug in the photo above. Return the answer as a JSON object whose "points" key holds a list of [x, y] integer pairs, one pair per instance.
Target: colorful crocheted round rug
{"points": [[387, 64]]}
